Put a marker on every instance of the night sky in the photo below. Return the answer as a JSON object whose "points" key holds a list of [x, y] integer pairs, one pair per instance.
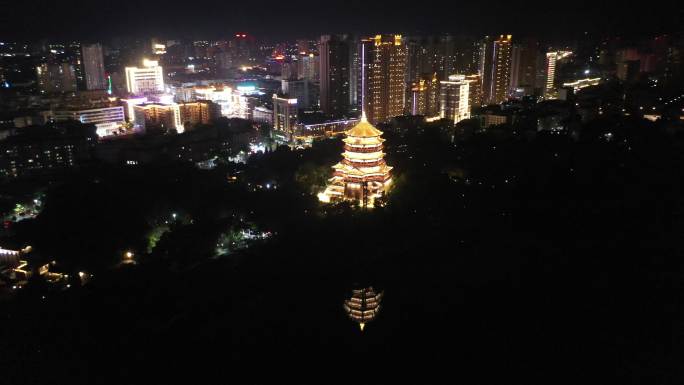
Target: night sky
{"points": [[276, 18]]}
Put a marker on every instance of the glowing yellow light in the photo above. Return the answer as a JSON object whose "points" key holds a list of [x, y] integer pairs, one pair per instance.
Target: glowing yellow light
{"points": [[323, 197], [150, 63]]}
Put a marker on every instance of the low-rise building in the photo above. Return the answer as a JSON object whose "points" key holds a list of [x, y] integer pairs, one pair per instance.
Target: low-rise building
{"points": [[199, 112], [108, 120], [165, 116], [46, 149]]}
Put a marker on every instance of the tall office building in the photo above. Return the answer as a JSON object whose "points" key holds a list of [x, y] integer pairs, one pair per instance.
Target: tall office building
{"points": [[425, 97], [72, 55], [384, 77], [334, 74], [516, 63], [308, 67], [284, 116], [56, 77], [93, 64], [495, 68], [455, 98], [475, 90], [355, 76], [432, 54], [416, 66], [552, 59], [242, 49], [148, 79], [527, 67]]}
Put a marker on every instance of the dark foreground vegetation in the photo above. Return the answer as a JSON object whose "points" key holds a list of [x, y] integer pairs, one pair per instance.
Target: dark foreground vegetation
{"points": [[508, 255]]}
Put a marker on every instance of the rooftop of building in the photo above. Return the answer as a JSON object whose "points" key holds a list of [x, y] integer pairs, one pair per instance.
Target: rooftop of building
{"points": [[55, 131]]}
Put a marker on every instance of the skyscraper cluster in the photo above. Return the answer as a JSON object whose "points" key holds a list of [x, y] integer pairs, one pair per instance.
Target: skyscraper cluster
{"points": [[387, 76], [332, 77]]}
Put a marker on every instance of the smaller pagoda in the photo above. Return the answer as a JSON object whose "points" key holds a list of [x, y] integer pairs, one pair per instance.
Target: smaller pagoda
{"points": [[362, 176], [363, 306]]}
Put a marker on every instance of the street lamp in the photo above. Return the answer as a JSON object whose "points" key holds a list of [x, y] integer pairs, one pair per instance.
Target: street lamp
{"points": [[128, 257]]}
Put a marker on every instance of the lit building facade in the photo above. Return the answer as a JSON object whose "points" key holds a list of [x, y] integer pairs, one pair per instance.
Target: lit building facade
{"points": [[93, 65], [108, 120], [383, 59], [234, 103], [582, 83], [155, 114], [425, 97], [552, 59], [262, 114], [495, 68], [199, 112], [325, 129], [362, 176], [284, 116], [455, 99], [148, 79], [475, 90]]}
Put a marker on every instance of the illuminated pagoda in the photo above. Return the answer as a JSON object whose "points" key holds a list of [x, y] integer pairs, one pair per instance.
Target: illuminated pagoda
{"points": [[363, 306], [362, 176]]}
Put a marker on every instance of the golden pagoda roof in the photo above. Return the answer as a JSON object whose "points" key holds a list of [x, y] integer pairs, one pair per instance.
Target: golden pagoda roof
{"points": [[363, 156], [364, 171], [363, 141], [364, 129]]}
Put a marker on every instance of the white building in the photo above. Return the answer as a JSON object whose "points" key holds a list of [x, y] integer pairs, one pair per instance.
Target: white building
{"points": [[93, 64], [454, 100], [284, 116], [233, 102], [108, 120], [149, 79], [262, 115]]}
